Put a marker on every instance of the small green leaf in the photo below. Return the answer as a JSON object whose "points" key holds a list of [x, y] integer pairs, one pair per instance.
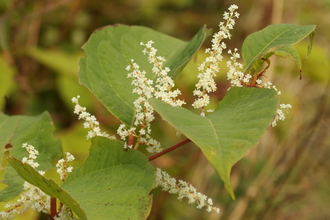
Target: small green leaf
{"points": [[292, 52], [318, 65], [110, 50], [259, 43], [310, 46], [46, 185], [113, 183], [34, 130], [224, 136], [260, 61]]}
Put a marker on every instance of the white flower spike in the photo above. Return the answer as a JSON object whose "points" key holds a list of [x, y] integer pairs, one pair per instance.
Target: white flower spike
{"points": [[146, 88], [209, 68], [184, 190], [90, 121]]}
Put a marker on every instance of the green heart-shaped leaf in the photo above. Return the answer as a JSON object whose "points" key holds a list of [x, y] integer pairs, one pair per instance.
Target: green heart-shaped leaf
{"points": [[224, 136], [113, 183], [256, 45], [108, 53]]}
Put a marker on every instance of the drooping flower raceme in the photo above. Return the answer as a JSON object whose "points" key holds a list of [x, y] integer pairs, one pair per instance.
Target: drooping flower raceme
{"points": [[146, 89], [32, 197], [184, 190], [90, 121], [282, 109], [280, 113], [209, 68]]}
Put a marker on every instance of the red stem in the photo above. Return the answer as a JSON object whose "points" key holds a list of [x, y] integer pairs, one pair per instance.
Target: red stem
{"points": [[130, 140], [52, 207], [169, 149]]}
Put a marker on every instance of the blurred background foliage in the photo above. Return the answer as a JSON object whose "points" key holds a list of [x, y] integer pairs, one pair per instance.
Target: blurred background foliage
{"points": [[286, 176]]}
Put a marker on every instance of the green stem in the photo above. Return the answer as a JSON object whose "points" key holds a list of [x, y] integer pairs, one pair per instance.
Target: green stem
{"points": [[169, 149]]}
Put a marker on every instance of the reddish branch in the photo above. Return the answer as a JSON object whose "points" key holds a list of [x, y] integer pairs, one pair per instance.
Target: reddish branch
{"points": [[52, 208], [130, 140], [169, 149]]}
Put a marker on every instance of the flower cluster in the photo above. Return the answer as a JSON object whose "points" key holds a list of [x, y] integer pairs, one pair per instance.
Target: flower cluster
{"points": [[32, 197], [144, 111], [184, 189], [145, 89], [65, 213], [282, 109], [238, 79], [209, 68], [32, 155], [280, 113], [90, 121], [235, 70], [164, 83], [62, 166]]}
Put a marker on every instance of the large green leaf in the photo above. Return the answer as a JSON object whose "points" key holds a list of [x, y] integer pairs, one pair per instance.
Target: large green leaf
{"points": [[113, 183], [34, 130], [256, 45], [109, 51], [46, 185], [224, 136]]}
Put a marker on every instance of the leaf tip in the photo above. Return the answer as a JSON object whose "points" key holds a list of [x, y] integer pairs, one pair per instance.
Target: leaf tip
{"points": [[230, 191]]}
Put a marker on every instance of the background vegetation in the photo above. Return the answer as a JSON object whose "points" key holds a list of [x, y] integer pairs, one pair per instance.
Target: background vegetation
{"points": [[286, 176]]}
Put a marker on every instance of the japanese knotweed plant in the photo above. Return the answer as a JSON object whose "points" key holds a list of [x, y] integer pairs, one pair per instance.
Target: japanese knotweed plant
{"points": [[132, 71]]}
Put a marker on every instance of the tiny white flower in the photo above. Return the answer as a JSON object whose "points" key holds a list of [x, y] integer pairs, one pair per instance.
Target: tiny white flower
{"points": [[184, 190], [31, 197], [90, 121], [62, 166]]}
